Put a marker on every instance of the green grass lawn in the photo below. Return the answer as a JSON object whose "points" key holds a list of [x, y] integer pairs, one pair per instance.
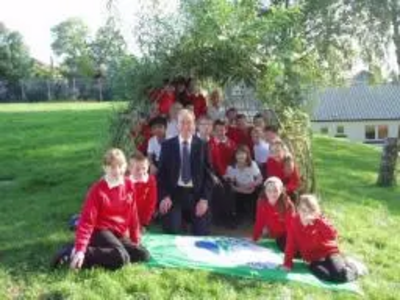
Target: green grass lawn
{"points": [[50, 154]]}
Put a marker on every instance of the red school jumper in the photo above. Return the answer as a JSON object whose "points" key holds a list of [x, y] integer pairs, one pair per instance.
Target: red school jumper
{"points": [[268, 216], [314, 242], [146, 199], [241, 137], [222, 154], [276, 168], [111, 209], [165, 101], [199, 103], [144, 135]]}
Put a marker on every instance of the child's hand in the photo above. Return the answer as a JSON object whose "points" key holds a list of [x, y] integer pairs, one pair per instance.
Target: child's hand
{"points": [[201, 207], [143, 230], [265, 231], [77, 258], [165, 205]]}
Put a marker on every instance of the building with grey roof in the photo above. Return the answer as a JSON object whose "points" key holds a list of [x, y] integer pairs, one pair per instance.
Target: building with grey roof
{"points": [[359, 112]]}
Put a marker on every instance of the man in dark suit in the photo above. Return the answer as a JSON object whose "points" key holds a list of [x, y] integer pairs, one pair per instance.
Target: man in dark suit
{"points": [[183, 178]]}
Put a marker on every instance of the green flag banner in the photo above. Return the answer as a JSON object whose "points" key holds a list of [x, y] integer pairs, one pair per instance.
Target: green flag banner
{"points": [[231, 256]]}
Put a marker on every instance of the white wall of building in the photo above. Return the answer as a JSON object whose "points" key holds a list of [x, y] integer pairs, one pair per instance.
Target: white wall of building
{"points": [[356, 131]]}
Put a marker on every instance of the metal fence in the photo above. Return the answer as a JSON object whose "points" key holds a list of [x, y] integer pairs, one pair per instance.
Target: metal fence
{"points": [[35, 90]]}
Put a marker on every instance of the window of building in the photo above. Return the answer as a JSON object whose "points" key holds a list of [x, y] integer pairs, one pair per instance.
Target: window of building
{"points": [[383, 132], [340, 129], [340, 132], [370, 132], [325, 130]]}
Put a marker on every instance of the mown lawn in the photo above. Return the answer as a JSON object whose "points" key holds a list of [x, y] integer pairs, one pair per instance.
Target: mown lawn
{"points": [[50, 154]]}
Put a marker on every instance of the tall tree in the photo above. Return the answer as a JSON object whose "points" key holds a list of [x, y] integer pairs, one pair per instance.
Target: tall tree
{"points": [[382, 22], [15, 61], [109, 45], [72, 44], [361, 28]]}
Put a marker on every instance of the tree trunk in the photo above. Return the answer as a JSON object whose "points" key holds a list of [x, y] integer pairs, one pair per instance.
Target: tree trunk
{"points": [[387, 172]]}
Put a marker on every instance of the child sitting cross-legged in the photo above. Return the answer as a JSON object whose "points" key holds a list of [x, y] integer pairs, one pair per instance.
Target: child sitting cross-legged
{"points": [[108, 231], [244, 178], [315, 238]]}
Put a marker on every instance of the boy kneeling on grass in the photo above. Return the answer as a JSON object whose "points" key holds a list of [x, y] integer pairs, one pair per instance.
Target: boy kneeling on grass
{"points": [[108, 232]]}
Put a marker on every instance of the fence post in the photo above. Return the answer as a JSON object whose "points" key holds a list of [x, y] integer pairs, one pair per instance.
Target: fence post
{"points": [[23, 95], [100, 84], [73, 88], [48, 90]]}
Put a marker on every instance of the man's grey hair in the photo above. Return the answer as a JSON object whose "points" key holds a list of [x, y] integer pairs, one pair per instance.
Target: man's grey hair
{"points": [[185, 113]]}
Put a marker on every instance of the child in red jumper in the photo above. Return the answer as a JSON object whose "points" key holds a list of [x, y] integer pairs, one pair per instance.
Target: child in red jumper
{"points": [[222, 154], [197, 99], [145, 188], [315, 238], [231, 114], [108, 232], [222, 149], [291, 178], [141, 134], [241, 133], [280, 164], [166, 99], [274, 213]]}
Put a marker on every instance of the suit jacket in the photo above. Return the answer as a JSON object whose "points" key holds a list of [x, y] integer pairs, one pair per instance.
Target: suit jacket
{"points": [[170, 165]]}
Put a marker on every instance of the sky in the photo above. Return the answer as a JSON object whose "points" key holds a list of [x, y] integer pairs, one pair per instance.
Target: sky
{"points": [[35, 18]]}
